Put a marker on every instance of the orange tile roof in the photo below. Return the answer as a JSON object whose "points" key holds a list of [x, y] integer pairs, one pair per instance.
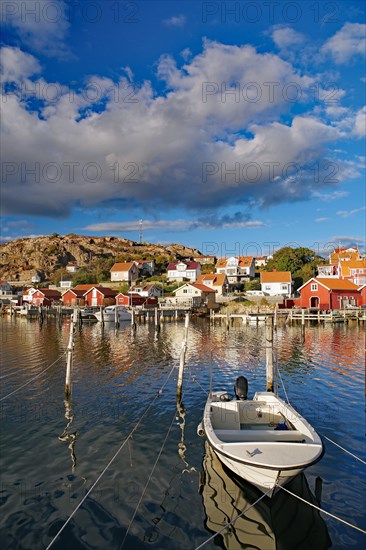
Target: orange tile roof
{"points": [[217, 279], [126, 266], [351, 264], [244, 261], [336, 284], [204, 288], [343, 256], [275, 277]]}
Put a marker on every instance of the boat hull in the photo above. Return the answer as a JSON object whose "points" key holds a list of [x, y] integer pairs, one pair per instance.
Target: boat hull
{"points": [[265, 479], [109, 317]]}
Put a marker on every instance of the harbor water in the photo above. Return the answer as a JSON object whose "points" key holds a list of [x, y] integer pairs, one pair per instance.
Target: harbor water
{"points": [[164, 488]]}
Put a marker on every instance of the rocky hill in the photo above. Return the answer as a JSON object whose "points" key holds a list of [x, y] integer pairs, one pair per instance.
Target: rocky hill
{"points": [[21, 259]]}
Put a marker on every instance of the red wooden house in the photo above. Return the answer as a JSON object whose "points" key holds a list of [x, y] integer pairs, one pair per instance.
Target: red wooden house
{"points": [[100, 296], [327, 293], [135, 299], [362, 291], [73, 297], [45, 297]]}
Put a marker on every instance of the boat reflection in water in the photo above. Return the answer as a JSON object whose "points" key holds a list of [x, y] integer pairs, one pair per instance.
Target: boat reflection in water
{"points": [[282, 522]]}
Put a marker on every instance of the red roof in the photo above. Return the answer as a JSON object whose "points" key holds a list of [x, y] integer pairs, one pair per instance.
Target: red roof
{"points": [[50, 292], [107, 292], [126, 266], [79, 293], [86, 287], [190, 265]]}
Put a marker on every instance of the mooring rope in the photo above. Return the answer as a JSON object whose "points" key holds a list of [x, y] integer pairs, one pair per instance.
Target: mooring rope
{"points": [[343, 449], [232, 521], [111, 460], [34, 378], [148, 480], [323, 511]]}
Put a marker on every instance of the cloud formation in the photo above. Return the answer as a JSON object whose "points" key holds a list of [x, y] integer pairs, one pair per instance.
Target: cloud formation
{"points": [[222, 134], [347, 43]]}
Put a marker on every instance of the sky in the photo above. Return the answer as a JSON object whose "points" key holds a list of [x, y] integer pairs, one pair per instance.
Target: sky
{"points": [[233, 127]]}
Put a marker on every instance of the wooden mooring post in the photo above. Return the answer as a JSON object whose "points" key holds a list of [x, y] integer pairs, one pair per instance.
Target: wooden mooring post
{"points": [[116, 317], [133, 319], [101, 315], [182, 359], [269, 354], [70, 348], [157, 320]]}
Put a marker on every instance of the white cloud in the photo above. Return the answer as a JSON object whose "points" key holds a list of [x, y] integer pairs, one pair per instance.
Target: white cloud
{"points": [[328, 197], [319, 220], [348, 213], [347, 43], [175, 21], [42, 25], [224, 222], [284, 37], [194, 147], [16, 65], [360, 123]]}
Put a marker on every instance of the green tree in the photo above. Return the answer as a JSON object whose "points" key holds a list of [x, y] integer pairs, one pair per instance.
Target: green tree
{"points": [[255, 284], [83, 277]]}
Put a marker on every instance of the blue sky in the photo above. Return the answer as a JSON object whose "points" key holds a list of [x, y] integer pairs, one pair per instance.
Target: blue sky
{"points": [[234, 127]]}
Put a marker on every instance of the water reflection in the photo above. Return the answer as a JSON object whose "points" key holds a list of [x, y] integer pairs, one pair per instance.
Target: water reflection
{"points": [[68, 436], [282, 522]]}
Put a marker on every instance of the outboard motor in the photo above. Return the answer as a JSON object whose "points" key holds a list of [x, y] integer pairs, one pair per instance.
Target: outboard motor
{"points": [[241, 388]]}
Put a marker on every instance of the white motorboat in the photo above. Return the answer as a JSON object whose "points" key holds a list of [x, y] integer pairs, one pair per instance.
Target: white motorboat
{"points": [[264, 440], [109, 314]]}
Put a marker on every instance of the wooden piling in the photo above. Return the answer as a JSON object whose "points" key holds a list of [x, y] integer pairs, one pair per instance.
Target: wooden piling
{"points": [[182, 358], [116, 317], [133, 318], [269, 355], [227, 318], [101, 315], [70, 348], [275, 317], [157, 322]]}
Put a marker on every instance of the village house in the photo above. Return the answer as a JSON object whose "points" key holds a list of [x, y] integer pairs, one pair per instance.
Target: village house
{"points": [[100, 296], [124, 271], [5, 289], [327, 270], [276, 283], [135, 300], [146, 267], [45, 297], [195, 295], [343, 255], [362, 291], [36, 278], [73, 297], [216, 281], [71, 268], [183, 271], [260, 261], [66, 284], [27, 294], [237, 269], [327, 293], [148, 290], [354, 271]]}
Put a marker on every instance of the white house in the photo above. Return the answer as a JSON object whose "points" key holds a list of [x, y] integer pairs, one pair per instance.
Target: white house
{"points": [[217, 281], [276, 283], [260, 261], [36, 278], [182, 271], [5, 289], [71, 268], [124, 272], [28, 294], [147, 290], [65, 284], [237, 269], [196, 295]]}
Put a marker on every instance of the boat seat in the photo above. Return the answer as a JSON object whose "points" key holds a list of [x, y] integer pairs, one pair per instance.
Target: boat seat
{"points": [[259, 435]]}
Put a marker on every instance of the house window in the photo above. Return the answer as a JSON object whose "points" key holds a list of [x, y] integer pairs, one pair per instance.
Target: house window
{"points": [[185, 291], [314, 286], [267, 287], [283, 287]]}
